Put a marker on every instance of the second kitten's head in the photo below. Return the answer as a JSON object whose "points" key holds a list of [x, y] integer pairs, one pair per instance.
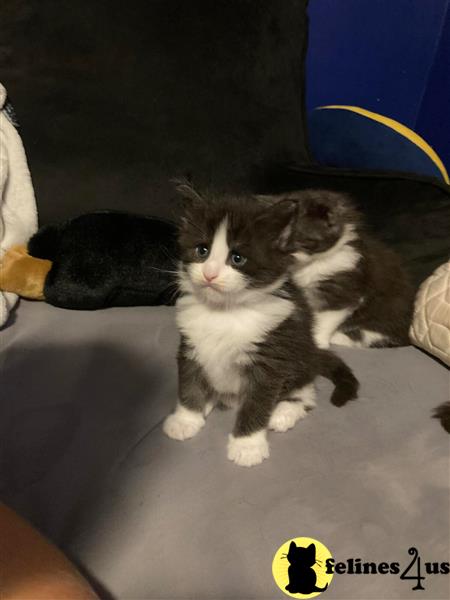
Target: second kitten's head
{"points": [[232, 247], [323, 218]]}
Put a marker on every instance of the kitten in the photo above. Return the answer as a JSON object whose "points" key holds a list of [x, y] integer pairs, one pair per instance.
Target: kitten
{"points": [[356, 287], [302, 577], [245, 330]]}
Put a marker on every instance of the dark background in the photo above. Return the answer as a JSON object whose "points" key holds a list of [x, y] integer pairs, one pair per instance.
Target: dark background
{"points": [[115, 98]]}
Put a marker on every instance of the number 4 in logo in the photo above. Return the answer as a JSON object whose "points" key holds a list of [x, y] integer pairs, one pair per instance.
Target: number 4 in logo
{"points": [[419, 578]]}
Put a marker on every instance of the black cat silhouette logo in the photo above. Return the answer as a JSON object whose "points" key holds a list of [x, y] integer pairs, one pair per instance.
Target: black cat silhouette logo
{"points": [[299, 568]]}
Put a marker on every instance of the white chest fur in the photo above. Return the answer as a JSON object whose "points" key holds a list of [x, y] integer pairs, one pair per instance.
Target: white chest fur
{"points": [[222, 340]]}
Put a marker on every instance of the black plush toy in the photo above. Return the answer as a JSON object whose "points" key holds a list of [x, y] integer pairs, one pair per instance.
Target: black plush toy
{"points": [[96, 260]]}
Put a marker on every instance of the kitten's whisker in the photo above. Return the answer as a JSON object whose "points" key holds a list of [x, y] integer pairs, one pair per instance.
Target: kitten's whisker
{"points": [[171, 257], [173, 285], [163, 270], [173, 289], [173, 295]]}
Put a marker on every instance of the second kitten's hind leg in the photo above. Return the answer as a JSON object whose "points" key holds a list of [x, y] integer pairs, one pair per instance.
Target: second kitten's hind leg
{"points": [[342, 339], [326, 324], [288, 412], [375, 339], [366, 339]]}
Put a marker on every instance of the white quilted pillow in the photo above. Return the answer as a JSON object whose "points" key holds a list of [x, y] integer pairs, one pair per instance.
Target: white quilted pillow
{"points": [[430, 328]]}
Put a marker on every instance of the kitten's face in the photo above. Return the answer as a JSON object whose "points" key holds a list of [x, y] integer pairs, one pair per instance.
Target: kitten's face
{"points": [[215, 265], [232, 247]]}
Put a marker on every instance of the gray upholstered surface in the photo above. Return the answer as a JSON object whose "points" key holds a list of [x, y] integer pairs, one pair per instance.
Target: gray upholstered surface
{"points": [[83, 456]]}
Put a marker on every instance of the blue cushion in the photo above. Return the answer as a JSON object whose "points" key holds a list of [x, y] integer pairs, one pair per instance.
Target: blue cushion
{"points": [[352, 137]]}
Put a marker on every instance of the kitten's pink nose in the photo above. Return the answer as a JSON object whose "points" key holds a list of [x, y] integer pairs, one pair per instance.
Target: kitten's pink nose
{"points": [[210, 271]]}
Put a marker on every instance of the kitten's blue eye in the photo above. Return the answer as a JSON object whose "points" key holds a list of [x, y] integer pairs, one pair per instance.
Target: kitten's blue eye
{"points": [[237, 259], [202, 251]]}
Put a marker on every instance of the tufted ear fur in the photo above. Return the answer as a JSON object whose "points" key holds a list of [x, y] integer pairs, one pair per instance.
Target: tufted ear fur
{"points": [[187, 191], [326, 206], [191, 200]]}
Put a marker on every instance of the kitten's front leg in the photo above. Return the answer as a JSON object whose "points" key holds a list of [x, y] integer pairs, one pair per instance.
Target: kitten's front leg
{"points": [[193, 406], [247, 445]]}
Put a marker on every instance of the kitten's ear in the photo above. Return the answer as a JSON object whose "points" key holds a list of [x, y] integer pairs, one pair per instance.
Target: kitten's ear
{"points": [[189, 194], [279, 224], [312, 550], [327, 206], [314, 209], [268, 199], [292, 546]]}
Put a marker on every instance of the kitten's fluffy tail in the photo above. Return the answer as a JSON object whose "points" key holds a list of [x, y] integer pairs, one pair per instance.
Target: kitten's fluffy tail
{"points": [[335, 369]]}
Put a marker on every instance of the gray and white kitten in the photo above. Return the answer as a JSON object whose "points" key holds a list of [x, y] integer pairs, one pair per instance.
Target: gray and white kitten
{"points": [[357, 287], [246, 337]]}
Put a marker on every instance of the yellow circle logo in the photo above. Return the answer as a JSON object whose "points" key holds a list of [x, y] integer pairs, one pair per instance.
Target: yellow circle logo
{"points": [[299, 568]]}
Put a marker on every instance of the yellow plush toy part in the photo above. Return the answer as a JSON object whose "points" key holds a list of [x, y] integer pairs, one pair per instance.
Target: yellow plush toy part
{"points": [[23, 274], [430, 328]]}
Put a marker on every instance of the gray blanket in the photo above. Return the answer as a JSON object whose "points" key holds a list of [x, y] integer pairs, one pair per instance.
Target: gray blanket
{"points": [[83, 395]]}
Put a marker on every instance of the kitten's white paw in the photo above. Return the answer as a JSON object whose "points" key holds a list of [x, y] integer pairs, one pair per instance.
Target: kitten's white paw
{"points": [[373, 337], [249, 450], [183, 424], [326, 323], [286, 415], [340, 339]]}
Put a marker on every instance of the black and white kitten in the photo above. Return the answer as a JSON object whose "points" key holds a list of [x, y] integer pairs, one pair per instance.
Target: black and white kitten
{"points": [[356, 286], [245, 330]]}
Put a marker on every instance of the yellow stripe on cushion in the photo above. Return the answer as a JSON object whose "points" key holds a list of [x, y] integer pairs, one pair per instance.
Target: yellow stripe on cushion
{"points": [[408, 133]]}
